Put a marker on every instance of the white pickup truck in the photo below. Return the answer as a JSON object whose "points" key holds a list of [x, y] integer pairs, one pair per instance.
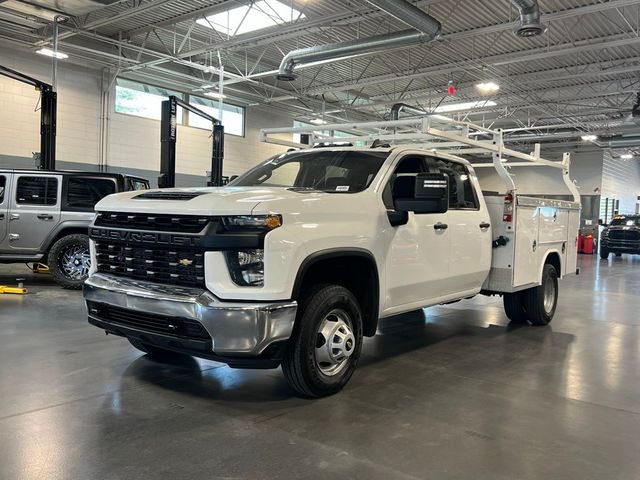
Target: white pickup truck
{"points": [[298, 259]]}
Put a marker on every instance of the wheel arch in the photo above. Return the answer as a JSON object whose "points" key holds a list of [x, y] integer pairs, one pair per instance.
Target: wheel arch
{"points": [[553, 258], [344, 266], [66, 228]]}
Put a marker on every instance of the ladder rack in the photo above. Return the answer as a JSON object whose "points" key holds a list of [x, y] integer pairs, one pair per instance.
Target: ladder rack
{"points": [[430, 132]]}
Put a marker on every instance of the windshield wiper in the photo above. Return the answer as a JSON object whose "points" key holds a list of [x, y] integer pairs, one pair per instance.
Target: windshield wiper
{"points": [[303, 189]]}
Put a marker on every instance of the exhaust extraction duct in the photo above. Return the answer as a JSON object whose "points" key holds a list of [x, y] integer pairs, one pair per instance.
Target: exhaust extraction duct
{"points": [[530, 24], [428, 29]]}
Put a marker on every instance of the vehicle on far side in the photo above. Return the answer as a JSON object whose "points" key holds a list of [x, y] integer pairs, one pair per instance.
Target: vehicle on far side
{"points": [[622, 235], [45, 216]]}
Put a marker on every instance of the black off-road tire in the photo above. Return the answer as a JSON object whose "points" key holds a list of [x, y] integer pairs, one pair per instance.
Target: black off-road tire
{"points": [[604, 253], [514, 307], [299, 364], [541, 312], [156, 352], [55, 257]]}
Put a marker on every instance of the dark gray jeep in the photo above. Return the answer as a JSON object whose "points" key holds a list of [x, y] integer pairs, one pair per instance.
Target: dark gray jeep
{"points": [[622, 235], [45, 216]]}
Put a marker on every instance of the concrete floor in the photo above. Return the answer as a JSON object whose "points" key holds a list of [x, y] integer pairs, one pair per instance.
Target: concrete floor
{"points": [[454, 393]]}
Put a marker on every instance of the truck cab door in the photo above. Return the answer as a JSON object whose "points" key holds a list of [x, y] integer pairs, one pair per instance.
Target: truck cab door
{"points": [[469, 225], [34, 212], [4, 201], [417, 255]]}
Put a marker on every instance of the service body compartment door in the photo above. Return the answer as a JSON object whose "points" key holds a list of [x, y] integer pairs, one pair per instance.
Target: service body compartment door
{"points": [[571, 256], [526, 263]]}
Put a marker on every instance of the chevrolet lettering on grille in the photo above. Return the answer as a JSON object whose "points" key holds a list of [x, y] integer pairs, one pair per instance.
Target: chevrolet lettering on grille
{"points": [[144, 237]]}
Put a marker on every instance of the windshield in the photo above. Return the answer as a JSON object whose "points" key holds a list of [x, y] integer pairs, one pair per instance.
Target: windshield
{"points": [[325, 170], [627, 221]]}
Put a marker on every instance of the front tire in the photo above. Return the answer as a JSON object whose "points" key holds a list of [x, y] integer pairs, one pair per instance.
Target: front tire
{"points": [[69, 261], [541, 301], [325, 346], [604, 253]]}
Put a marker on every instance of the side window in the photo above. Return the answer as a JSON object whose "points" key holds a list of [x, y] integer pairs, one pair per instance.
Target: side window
{"points": [[83, 193], [407, 166], [461, 192], [3, 184], [37, 191]]}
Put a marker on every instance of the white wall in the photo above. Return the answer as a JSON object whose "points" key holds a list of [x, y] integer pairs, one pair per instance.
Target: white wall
{"points": [[131, 143], [621, 181], [586, 170]]}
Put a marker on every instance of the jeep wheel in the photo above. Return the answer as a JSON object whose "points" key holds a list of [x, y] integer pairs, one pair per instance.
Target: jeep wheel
{"points": [[69, 261], [604, 253], [541, 302], [324, 348]]}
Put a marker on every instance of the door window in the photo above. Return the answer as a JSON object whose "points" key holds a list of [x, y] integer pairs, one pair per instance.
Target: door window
{"points": [[3, 184], [407, 166], [37, 191], [462, 195], [83, 193]]}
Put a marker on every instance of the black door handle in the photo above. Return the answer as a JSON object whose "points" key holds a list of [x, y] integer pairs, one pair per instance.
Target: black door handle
{"points": [[440, 226], [485, 225], [44, 216]]}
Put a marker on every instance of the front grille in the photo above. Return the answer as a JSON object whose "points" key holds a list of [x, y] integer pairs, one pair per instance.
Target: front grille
{"points": [[632, 235], [153, 222], [175, 266], [149, 322]]}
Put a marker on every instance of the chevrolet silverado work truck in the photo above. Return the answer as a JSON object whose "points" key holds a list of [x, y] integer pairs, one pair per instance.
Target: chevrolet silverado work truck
{"points": [[295, 261]]}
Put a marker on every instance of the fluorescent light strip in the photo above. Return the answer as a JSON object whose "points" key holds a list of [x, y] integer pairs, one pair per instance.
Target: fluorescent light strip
{"points": [[47, 52], [454, 107]]}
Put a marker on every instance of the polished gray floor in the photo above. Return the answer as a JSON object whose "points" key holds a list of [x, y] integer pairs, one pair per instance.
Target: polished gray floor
{"points": [[454, 393]]}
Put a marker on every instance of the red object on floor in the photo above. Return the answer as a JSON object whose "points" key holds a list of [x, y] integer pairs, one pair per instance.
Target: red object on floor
{"points": [[588, 245], [580, 242]]}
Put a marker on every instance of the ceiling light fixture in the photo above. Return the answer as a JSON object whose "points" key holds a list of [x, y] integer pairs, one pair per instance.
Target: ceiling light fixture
{"points": [[318, 121], [47, 52], [488, 87], [454, 107], [589, 138], [215, 95], [626, 156]]}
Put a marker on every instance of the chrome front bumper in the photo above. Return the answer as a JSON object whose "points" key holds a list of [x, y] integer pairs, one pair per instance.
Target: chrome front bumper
{"points": [[236, 328]]}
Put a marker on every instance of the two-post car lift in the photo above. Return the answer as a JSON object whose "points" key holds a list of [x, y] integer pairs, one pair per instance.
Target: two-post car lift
{"points": [[48, 106]]}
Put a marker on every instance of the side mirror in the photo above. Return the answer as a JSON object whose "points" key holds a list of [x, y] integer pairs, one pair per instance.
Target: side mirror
{"points": [[422, 193]]}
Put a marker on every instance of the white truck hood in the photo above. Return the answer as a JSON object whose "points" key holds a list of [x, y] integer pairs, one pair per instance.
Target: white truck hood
{"points": [[211, 201]]}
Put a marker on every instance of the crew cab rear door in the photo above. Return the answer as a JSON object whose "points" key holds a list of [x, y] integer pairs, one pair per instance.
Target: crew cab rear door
{"points": [[34, 211], [469, 226]]}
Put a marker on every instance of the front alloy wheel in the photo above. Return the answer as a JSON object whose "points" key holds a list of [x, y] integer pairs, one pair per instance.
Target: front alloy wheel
{"points": [[335, 343], [70, 261]]}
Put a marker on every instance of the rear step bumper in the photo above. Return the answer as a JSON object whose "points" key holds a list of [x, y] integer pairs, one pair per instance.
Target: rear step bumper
{"points": [[237, 330]]}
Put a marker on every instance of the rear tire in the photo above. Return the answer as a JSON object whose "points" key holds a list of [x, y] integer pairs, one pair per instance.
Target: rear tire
{"points": [[324, 348], [514, 307], [541, 301], [155, 352], [604, 253], [69, 261]]}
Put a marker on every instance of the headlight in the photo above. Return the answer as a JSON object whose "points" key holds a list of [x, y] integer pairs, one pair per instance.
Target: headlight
{"points": [[246, 267], [252, 222]]}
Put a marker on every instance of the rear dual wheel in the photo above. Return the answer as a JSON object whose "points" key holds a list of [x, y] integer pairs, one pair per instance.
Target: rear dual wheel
{"points": [[536, 305]]}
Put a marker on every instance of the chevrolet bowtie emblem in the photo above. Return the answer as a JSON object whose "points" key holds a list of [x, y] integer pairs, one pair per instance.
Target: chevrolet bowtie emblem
{"points": [[185, 262]]}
